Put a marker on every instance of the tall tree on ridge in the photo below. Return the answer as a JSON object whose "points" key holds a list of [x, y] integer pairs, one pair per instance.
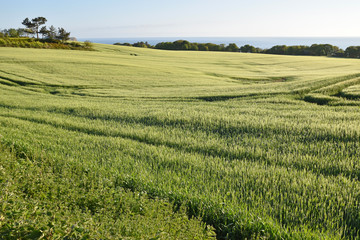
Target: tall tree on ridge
{"points": [[34, 25], [29, 26], [44, 31], [52, 32], [63, 35]]}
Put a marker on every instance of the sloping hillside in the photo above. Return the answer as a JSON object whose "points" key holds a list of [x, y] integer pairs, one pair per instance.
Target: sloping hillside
{"points": [[246, 142]]}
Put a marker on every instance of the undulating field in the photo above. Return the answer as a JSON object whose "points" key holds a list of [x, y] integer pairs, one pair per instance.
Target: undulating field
{"points": [[101, 144]]}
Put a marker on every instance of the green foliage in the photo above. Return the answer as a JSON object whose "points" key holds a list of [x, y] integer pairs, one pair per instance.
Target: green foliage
{"points": [[313, 50], [88, 44], [186, 45], [12, 32], [42, 198], [47, 44], [352, 52], [63, 35], [33, 26], [227, 138], [232, 47], [323, 50], [249, 49], [137, 44], [51, 33]]}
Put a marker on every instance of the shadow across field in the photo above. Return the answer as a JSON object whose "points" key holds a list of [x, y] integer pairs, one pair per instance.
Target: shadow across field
{"points": [[301, 135], [219, 98], [330, 93], [247, 80], [53, 89]]}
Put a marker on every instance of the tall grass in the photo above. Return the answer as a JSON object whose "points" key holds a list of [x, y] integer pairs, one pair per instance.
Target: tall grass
{"points": [[43, 199], [216, 134]]}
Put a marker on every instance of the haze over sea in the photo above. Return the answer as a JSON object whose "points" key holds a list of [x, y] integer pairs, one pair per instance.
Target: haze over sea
{"points": [[261, 42]]}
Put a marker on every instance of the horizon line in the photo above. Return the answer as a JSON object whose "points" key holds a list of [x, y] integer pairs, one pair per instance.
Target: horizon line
{"points": [[228, 37]]}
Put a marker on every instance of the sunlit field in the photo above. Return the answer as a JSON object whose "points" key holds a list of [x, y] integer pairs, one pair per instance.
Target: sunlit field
{"points": [[255, 146]]}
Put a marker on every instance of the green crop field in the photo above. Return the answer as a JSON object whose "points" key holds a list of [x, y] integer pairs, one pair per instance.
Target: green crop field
{"points": [[124, 142]]}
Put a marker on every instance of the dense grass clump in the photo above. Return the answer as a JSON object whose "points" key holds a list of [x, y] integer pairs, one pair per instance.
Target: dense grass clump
{"points": [[42, 43], [46, 199], [232, 139]]}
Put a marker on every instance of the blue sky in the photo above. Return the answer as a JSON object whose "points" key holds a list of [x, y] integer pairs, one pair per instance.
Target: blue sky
{"points": [[191, 18]]}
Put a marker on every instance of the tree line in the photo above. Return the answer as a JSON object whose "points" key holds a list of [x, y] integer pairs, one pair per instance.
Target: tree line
{"points": [[313, 50], [34, 27], [186, 45], [29, 36], [302, 50]]}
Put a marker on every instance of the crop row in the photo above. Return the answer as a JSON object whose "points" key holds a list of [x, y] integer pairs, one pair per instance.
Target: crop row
{"points": [[170, 158]]}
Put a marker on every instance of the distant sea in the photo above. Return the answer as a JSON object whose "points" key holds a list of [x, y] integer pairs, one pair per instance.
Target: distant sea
{"points": [[261, 42]]}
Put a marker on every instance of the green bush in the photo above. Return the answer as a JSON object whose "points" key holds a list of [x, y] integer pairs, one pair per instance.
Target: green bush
{"points": [[49, 44]]}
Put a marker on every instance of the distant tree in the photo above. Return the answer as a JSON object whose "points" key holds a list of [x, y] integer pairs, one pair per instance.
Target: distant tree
{"points": [[352, 52], [88, 44], [164, 45], [232, 47], [33, 26], [44, 31], [339, 53], [203, 47], [323, 49], [186, 45], [181, 45], [248, 49], [213, 47], [123, 44], [63, 35], [12, 32], [51, 33], [37, 23], [222, 47], [194, 47], [29, 26], [278, 49], [21, 32], [140, 44], [5, 33], [137, 44]]}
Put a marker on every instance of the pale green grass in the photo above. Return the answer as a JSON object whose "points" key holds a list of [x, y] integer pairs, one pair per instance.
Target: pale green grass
{"points": [[113, 71], [352, 91], [228, 135]]}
